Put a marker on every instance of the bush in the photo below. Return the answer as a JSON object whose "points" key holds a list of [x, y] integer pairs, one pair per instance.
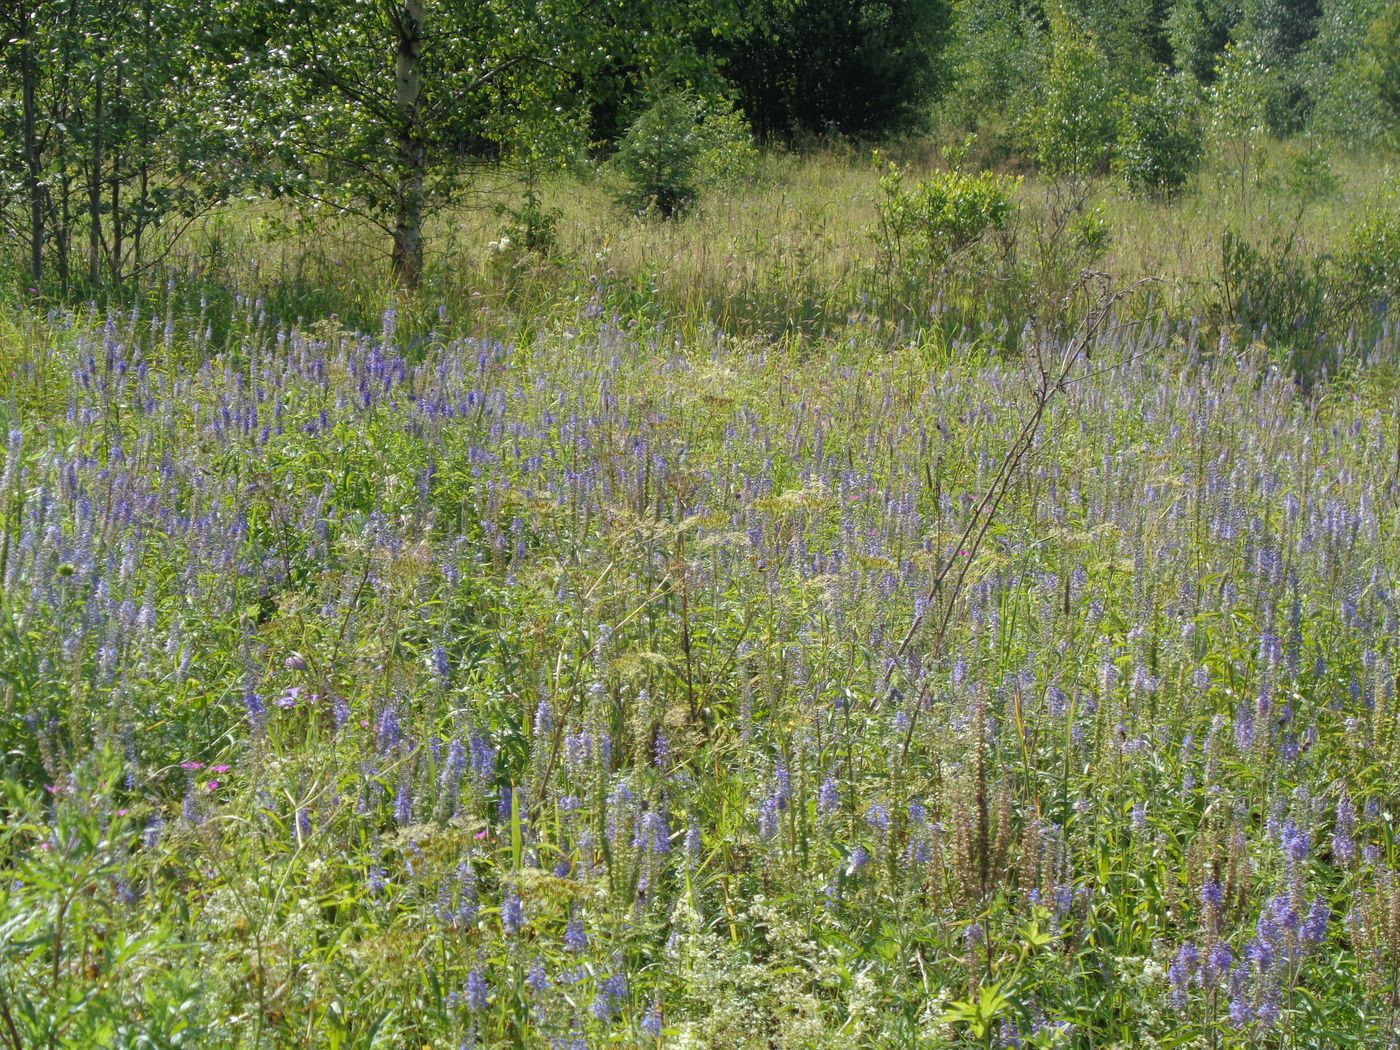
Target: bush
{"points": [[924, 229], [1368, 263], [1273, 291], [1160, 137], [679, 146]]}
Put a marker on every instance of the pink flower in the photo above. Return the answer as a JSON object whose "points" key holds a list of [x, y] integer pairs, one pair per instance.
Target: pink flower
{"points": [[213, 785], [219, 769], [191, 765]]}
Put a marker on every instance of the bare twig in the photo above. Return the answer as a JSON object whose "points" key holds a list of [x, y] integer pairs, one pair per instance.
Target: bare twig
{"points": [[1050, 373]]}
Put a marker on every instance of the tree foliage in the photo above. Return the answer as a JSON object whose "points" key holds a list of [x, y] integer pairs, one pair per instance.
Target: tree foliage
{"points": [[855, 67], [1160, 136], [1071, 129], [1381, 62]]}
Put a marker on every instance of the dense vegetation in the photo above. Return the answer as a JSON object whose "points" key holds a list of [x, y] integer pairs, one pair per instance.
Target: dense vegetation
{"points": [[792, 523]]}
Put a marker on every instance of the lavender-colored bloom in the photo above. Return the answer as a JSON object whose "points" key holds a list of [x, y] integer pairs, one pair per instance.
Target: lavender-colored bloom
{"points": [[575, 938], [388, 731], [478, 992], [403, 803], [1181, 971], [1267, 1012], [189, 809], [858, 858], [608, 999], [256, 709], [1217, 965], [1295, 842], [1212, 895], [483, 756], [512, 914], [467, 895], [768, 817], [782, 790], [828, 797], [1314, 928], [652, 833], [651, 1023], [1343, 844], [878, 817], [537, 978], [505, 802], [974, 936], [1240, 1012], [544, 719]]}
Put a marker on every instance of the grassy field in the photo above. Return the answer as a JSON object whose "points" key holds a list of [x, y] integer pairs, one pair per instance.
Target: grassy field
{"points": [[688, 637], [790, 251]]}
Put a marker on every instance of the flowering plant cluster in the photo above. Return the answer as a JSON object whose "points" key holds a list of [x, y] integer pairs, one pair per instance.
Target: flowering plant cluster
{"points": [[555, 691]]}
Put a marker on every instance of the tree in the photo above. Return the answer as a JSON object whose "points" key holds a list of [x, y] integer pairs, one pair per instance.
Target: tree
{"points": [[1344, 107], [857, 67], [1131, 33], [1381, 62], [380, 108], [108, 116], [1198, 31], [996, 54], [1070, 131], [1160, 136], [1239, 103]]}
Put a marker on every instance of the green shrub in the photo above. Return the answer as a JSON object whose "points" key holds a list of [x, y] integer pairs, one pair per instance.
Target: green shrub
{"points": [[1368, 263], [923, 229], [1160, 137], [1272, 291], [1310, 177], [679, 146]]}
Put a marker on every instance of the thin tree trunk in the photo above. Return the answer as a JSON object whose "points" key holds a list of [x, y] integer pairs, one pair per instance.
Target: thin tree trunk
{"points": [[144, 123], [115, 186], [412, 147], [34, 184], [59, 115], [95, 187]]}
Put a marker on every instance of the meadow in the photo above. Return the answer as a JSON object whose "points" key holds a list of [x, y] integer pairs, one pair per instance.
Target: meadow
{"points": [[682, 637]]}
